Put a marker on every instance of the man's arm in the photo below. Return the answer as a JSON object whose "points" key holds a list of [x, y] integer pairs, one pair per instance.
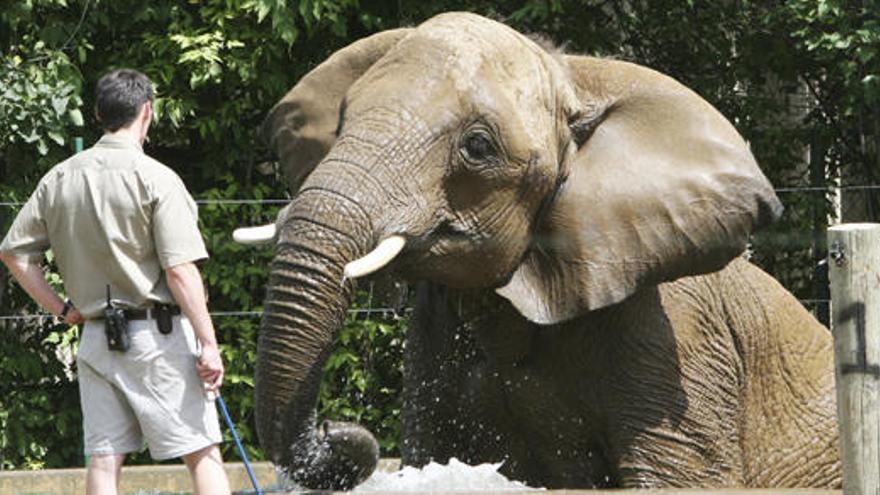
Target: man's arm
{"points": [[30, 276], [185, 283]]}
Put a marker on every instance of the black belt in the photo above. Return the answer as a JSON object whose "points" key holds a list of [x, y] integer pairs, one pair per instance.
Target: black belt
{"points": [[149, 313]]}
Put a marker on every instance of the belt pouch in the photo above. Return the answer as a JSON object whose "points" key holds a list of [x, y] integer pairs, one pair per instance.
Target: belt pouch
{"points": [[115, 326], [163, 318]]}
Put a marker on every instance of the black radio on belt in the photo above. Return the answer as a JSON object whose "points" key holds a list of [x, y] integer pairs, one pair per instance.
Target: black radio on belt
{"points": [[115, 326], [163, 318]]}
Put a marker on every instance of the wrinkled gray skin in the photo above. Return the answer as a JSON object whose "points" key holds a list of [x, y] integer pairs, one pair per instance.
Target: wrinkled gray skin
{"points": [[574, 227]]}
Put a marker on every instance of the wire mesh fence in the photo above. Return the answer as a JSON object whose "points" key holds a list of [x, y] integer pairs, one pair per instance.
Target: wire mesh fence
{"points": [[792, 239], [382, 312], [816, 305], [795, 241], [280, 201]]}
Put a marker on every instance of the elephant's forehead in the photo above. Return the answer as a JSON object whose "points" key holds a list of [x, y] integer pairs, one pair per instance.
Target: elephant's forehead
{"points": [[455, 65], [470, 48], [470, 63]]}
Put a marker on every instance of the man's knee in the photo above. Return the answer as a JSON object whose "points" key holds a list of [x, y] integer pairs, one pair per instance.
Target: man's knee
{"points": [[106, 462], [210, 453]]}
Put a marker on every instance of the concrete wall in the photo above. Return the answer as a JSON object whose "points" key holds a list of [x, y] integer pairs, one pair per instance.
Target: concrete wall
{"points": [[164, 478], [172, 478]]}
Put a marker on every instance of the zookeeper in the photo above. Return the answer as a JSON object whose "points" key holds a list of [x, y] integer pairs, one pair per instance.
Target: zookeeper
{"points": [[123, 224]]}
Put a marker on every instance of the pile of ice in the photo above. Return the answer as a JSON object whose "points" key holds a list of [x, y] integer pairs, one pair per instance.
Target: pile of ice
{"points": [[455, 476]]}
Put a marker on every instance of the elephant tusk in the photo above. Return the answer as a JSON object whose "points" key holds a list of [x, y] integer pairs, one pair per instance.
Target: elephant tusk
{"points": [[254, 235], [375, 259]]}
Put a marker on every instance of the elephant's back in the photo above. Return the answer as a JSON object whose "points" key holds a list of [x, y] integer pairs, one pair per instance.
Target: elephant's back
{"points": [[789, 426]]}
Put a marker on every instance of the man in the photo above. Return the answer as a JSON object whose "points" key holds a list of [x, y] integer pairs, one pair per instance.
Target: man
{"points": [[119, 221]]}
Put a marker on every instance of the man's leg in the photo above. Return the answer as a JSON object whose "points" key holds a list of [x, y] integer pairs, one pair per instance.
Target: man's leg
{"points": [[206, 468], [102, 476], [110, 427]]}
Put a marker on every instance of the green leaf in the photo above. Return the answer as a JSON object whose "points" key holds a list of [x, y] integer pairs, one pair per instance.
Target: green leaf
{"points": [[55, 136], [263, 9], [76, 117], [60, 105]]}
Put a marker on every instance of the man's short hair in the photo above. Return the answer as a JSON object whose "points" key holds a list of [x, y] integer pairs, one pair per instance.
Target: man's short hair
{"points": [[119, 96]]}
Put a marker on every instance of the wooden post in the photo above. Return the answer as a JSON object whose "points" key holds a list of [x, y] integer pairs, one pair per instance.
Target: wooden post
{"points": [[854, 268]]}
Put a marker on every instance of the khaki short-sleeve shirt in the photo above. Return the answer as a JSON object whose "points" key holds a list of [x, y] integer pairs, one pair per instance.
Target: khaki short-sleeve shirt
{"points": [[111, 215]]}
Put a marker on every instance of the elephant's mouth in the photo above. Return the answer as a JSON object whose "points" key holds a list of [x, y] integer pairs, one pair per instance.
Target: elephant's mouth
{"points": [[444, 239], [450, 231], [453, 255]]}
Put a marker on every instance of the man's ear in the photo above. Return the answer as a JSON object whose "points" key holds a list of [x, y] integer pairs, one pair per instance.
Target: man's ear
{"points": [[146, 118]]}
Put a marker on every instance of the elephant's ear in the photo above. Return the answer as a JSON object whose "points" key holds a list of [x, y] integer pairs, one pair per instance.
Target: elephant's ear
{"points": [[660, 186], [301, 127]]}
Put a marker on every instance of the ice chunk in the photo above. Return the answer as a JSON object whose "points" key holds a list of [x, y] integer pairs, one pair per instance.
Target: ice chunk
{"points": [[455, 476]]}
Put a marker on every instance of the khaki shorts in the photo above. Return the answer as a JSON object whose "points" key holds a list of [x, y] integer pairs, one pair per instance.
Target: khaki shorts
{"points": [[151, 392]]}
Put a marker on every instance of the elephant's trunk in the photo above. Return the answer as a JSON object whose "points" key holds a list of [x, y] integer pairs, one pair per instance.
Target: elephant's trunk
{"points": [[306, 303]]}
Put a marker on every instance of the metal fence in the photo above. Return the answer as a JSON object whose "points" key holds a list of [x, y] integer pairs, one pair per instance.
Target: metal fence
{"points": [[817, 305]]}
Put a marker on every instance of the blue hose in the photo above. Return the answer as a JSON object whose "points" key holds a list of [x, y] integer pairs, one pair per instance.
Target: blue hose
{"points": [[244, 458]]}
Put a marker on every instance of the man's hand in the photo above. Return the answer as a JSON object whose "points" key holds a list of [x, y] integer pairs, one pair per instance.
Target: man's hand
{"points": [[74, 317], [210, 367], [186, 285], [30, 275]]}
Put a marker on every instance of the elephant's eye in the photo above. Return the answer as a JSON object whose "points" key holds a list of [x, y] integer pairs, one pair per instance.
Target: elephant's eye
{"points": [[477, 146]]}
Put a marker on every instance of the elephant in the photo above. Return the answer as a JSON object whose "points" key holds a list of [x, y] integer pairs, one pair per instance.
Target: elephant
{"points": [[574, 228]]}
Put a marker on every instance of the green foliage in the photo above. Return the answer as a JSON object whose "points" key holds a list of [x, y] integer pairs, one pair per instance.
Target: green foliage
{"points": [[39, 403], [38, 101], [845, 38], [39, 106], [792, 76], [363, 376]]}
